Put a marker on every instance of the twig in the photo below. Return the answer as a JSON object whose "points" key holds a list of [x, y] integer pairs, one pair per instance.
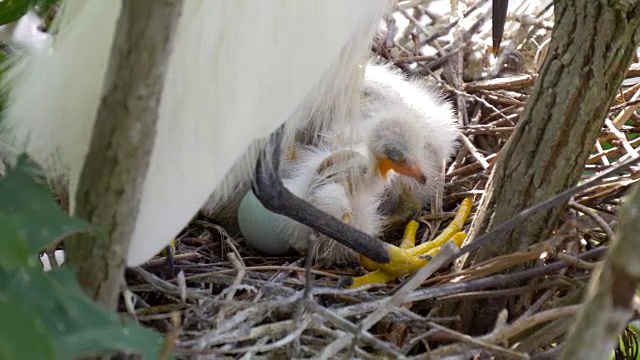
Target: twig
{"points": [[594, 216]]}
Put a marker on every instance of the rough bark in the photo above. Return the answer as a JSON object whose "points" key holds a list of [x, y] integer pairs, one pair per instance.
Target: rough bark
{"points": [[110, 184], [591, 47], [609, 301]]}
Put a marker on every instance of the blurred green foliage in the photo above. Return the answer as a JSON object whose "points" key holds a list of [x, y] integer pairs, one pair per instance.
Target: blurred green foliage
{"points": [[46, 315]]}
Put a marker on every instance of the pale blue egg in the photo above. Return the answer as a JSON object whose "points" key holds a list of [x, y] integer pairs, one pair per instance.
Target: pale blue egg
{"points": [[258, 226]]}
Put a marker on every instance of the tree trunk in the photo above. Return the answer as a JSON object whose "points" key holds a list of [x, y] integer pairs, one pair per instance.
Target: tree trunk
{"points": [[110, 184], [591, 47]]}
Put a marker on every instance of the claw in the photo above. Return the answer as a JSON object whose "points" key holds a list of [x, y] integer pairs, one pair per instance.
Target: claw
{"points": [[169, 252], [408, 258], [347, 216]]}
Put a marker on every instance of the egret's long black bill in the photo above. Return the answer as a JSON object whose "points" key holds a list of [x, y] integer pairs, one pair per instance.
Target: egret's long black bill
{"points": [[270, 191], [498, 19]]}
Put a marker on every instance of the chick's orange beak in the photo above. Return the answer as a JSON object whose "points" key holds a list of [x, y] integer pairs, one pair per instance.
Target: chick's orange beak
{"points": [[409, 169]]}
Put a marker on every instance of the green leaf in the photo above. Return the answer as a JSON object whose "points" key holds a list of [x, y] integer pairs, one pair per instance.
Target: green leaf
{"points": [[59, 320], [23, 336], [29, 217], [13, 10], [75, 325]]}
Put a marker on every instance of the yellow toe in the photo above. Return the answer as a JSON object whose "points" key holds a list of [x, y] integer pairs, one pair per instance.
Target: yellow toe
{"points": [[453, 228], [409, 237], [408, 258], [374, 277], [346, 217]]}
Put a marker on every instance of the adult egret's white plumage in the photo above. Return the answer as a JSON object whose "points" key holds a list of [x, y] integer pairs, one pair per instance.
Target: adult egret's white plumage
{"points": [[236, 70]]}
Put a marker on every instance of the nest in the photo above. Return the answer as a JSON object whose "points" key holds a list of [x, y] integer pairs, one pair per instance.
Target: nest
{"points": [[228, 301]]}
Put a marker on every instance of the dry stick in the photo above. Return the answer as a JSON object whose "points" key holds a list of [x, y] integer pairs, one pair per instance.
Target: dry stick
{"points": [[539, 302], [607, 191], [503, 262], [510, 83], [276, 279], [624, 105], [474, 152], [462, 93], [623, 139], [182, 286], [594, 216], [577, 262], [514, 111], [468, 169], [239, 267], [308, 265], [600, 150], [389, 304], [162, 261], [487, 130], [503, 99], [628, 111]]}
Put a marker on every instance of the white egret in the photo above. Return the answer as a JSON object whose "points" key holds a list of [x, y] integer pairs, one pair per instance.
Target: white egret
{"points": [[236, 70]]}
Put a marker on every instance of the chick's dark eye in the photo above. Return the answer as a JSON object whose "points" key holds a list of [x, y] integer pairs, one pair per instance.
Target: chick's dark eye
{"points": [[394, 154]]}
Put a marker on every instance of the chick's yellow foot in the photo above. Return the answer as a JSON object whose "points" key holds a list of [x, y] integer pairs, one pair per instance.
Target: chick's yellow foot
{"points": [[408, 258]]}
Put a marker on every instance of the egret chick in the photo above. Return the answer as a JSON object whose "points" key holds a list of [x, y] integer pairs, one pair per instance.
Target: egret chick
{"points": [[415, 102], [347, 183], [343, 184], [413, 121], [403, 130]]}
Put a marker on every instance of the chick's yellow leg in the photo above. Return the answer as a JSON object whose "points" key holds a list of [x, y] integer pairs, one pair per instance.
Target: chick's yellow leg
{"points": [[408, 258]]}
